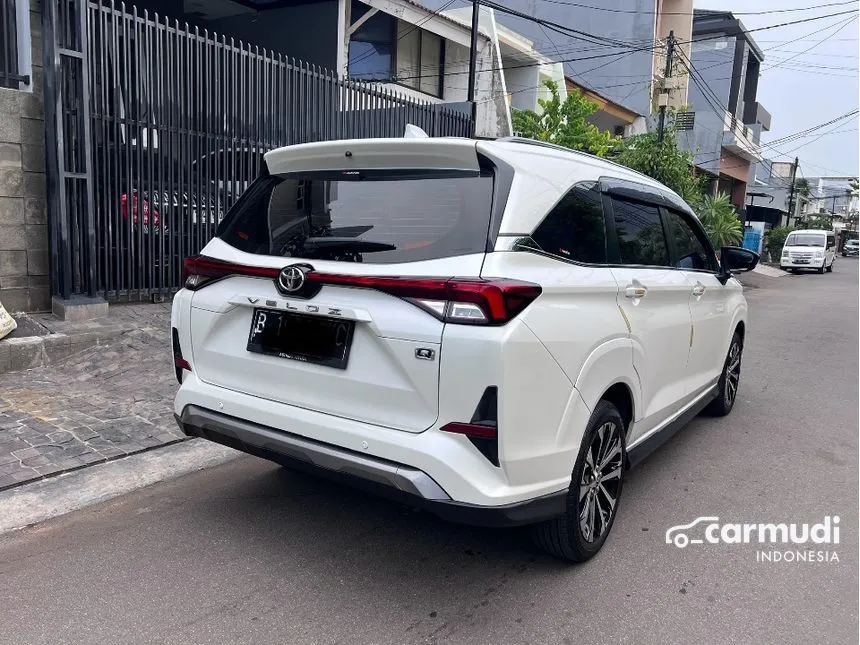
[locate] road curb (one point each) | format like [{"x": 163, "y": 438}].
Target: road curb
[{"x": 48, "y": 498}]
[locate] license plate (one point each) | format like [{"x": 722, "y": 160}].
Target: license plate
[{"x": 311, "y": 339}]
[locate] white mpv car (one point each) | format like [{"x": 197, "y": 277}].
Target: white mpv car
[
  {"x": 493, "y": 331},
  {"x": 809, "y": 249}
]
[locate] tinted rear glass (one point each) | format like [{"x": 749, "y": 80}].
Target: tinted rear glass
[{"x": 379, "y": 219}]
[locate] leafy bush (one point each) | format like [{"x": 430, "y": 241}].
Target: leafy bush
[
  {"x": 718, "y": 216},
  {"x": 564, "y": 123},
  {"x": 663, "y": 161},
  {"x": 774, "y": 240}
]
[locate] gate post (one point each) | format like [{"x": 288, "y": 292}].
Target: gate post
[{"x": 68, "y": 156}]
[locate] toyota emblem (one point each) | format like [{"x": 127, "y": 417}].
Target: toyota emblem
[{"x": 291, "y": 279}]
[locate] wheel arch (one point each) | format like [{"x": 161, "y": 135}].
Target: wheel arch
[
  {"x": 741, "y": 330},
  {"x": 608, "y": 373},
  {"x": 620, "y": 395}
]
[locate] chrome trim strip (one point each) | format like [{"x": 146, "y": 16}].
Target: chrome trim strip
[
  {"x": 340, "y": 460},
  {"x": 706, "y": 392}
]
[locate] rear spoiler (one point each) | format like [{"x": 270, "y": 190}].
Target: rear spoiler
[{"x": 376, "y": 154}]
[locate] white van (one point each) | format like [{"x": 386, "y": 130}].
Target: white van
[{"x": 809, "y": 249}]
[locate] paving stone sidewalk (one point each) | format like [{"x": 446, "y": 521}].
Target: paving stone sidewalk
[{"x": 101, "y": 402}]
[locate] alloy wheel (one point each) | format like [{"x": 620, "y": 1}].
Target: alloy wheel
[
  {"x": 733, "y": 373},
  {"x": 600, "y": 484}
]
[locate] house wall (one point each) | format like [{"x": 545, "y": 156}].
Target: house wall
[
  {"x": 675, "y": 17},
  {"x": 24, "y": 280},
  {"x": 522, "y": 84},
  {"x": 491, "y": 118},
  {"x": 714, "y": 60},
  {"x": 635, "y": 21},
  {"x": 305, "y": 31}
]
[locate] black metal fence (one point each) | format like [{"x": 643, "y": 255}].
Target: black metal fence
[{"x": 176, "y": 122}]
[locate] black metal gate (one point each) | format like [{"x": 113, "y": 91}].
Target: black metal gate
[{"x": 160, "y": 127}]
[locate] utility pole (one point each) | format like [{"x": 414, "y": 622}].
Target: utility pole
[
  {"x": 670, "y": 54},
  {"x": 473, "y": 53},
  {"x": 791, "y": 193}
]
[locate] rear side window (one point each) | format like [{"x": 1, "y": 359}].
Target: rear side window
[
  {"x": 640, "y": 233},
  {"x": 574, "y": 229},
  {"x": 691, "y": 249},
  {"x": 363, "y": 217}
]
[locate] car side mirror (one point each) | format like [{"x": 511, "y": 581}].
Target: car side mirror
[{"x": 736, "y": 259}]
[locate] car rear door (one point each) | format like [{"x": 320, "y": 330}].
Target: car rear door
[
  {"x": 655, "y": 300},
  {"x": 350, "y": 212}
]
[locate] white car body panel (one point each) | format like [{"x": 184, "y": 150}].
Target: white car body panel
[
  {"x": 660, "y": 331},
  {"x": 712, "y": 315}
]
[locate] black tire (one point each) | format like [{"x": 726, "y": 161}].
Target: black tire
[
  {"x": 821, "y": 269},
  {"x": 566, "y": 537},
  {"x": 830, "y": 268},
  {"x": 729, "y": 380}
]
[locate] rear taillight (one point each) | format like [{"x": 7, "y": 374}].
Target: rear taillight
[
  {"x": 179, "y": 363},
  {"x": 469, "y": 301},
  {"x": 199, "y": 271},
  {"x": 146, "y": 209}
]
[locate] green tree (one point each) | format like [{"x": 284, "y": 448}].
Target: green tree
[
  {"x": 564, "y": 123},
  {"x": 802, "y": 191},
  {"x": 663, "y": 161},
  {"x": 818, "y": 221},
  {"x": 718, "y": 216}
]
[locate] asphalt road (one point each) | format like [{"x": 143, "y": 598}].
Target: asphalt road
[{"x": 246, "y": 552}]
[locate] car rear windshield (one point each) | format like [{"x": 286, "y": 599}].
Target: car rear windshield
[
  {"x": 362, "y": 216},
  {"x": 805, "y": 240}
]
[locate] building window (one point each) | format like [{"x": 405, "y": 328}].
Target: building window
[
  {"x": 420, "y": 59},
  {"x": 8, "y": 45},
  {"x": 372, "y": 46},
  {"x": 387, "y": 49}
]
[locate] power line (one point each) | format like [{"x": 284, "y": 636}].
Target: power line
[
  {"x": 840, "y": 28},
  {"x": 719, "y": 109},
  {"x": 811, "y": 33},
  {"x": 687, "y": 13},
  {"x": 562, "y": 29},
  {"x": 777, "y": 26}
]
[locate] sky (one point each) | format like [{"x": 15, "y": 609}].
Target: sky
[{"x": 816, "y": 86}]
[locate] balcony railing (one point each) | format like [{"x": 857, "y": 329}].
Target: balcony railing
[{"x": 740, "y": 139}]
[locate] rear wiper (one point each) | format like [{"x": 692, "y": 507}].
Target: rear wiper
[{"x": 345, "y": 244}]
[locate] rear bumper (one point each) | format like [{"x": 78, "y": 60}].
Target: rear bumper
[{"x": 387, "y": 478}]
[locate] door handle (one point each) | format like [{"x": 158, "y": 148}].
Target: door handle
[
  {"x": 635, "y": 291},
  {"x": 699, "y": 290}
]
